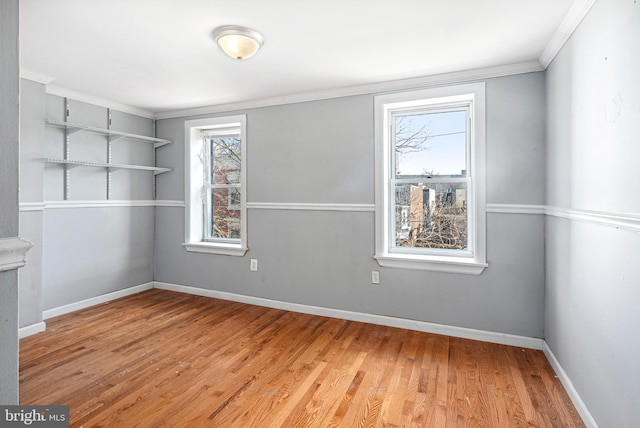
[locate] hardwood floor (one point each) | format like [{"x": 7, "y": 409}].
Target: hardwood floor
[{"x": 165, "y": 359}]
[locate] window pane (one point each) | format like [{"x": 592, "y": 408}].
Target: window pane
[
  {"x": 225, "y": 194},
  {"x": 234, "y": 198},
  {"x": 431, "y": 144},
  {"x": 226, "y": 217},
  {"x": 225, "y": 160},
  {"x": 431, "y": 215}
]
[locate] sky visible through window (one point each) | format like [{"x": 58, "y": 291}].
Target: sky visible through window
[{"x": 444, "y": 151}]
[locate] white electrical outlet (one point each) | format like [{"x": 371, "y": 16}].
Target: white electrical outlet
[
  {"x": 375, "y": 277},
  {"x": 254, "y": 265}
]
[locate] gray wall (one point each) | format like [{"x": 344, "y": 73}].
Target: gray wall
[
  {"x": 89, "y": 252},
  {"x": 323, "y": 152},
  {"x": 32, "y": 108},
  {"x": 593, "y": 274},
  {"x": 81, "y": 252},
  {"x": 9, "y": 148}
]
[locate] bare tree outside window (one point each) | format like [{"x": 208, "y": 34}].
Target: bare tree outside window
[{"x": 410, "y": 136}]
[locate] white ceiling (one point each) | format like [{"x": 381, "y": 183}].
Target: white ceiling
[{"x": 158, "y": 55}]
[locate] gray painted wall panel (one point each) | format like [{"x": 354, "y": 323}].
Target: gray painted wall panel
[
  {"x": 30, "y": 276},
  {"x": 88, "y": 252},
  {"x": 126, "y": 122},
  {"x": 593, "y": 298},
  {"x": 594, "y": 113},
  {"x": 32, "y": 137},
  {"x": 9, "y": 210},
  {"x": 170, "y": 185},
  {"x": 9, "y": 135},
  {"x": 8, "y": 335},
  {"x": 87, "y": 114},
  {"x": 592, "y": 315},
  {"x": 312, "y": 152},
  {"x": 516, "y": 139},
  {"x": 323, "y": 152},
  {"x": 325, "y": 259}
]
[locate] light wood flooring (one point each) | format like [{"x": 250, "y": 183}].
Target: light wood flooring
[{"x": 165, "y": 359}]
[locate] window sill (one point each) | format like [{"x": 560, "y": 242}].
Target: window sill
[
  {"x": 432, "y": 263},
  {"x": 213, "y": 248}
]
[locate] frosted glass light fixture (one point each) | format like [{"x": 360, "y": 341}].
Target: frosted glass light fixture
[{"x": 238, "y": 42}]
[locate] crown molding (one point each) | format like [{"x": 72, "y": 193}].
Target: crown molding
[
  {"x": 102, "y": 102},
  {"x": 574, "y": 17},
  {"x": 371, "y": 88}
]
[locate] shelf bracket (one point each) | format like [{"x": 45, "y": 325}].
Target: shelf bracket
[{"x": 160, "y": 144}]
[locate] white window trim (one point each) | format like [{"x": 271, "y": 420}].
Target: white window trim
[
  {"x": 194, "y": 173},
  {"x": 473, "y": 265}
]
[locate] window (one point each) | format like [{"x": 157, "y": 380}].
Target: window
[
  {"x": 215, "y": 185},
  {"x": 430, "y": 204},
  {"x": 222, "y": 157}
]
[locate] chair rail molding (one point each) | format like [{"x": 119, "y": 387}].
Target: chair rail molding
[{"x": 13, "y": 253}]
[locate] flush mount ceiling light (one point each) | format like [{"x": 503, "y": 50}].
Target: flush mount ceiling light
[{"x": 238, "y": 42}]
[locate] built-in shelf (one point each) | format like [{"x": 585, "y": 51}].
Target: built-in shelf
[
  {"x": 68, "y": 162},
  {"x": 112, "y": 166},
  {"x": 113, "y": 135}
]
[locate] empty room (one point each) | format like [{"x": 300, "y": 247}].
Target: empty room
[{"x": 357, "y": 213}]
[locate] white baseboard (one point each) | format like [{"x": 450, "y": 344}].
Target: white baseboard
[
  {"x": 61, "y": 310},
  {"x": 466, "y": 333},
  {"x": 32, "y": 329},
  {"x": 582, "y": 409}
]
